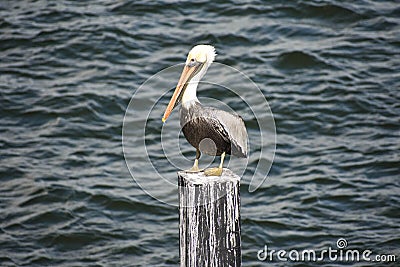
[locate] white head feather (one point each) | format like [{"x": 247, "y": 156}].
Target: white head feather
[{"x": 204, "y": 54}]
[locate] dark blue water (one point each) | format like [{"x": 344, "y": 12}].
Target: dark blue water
[{"x": 330, "y": 73}]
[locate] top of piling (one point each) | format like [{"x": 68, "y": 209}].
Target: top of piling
[{"x": 200, "y": 178}]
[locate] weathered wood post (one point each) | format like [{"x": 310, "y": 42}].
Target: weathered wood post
[{"x": 209, "y": 219}]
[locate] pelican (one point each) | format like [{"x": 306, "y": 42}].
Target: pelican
[{"x": 211, "y": 131}]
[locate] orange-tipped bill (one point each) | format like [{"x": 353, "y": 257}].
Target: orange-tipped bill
[{"x": 187, "y": 74}]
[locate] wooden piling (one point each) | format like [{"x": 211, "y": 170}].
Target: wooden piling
[{"x": 209, "y": 219}]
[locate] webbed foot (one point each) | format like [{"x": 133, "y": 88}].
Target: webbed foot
[
  {"x": 193, "y": 170},
  {"x": 195, "y": 167},
  {"x": 213, "y": 172}
]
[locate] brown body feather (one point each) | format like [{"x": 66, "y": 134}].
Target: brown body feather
[{"x": 226, "y": 130}]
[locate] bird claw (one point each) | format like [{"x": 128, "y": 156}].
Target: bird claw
[
  {"x": 193, "y": 170},
  {"x": 213, "y": 172}
]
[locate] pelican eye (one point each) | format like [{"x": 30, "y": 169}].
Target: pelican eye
[{"x": 192, "y": 62}]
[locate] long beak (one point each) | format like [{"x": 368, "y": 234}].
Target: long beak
[{"x": 187, "y": 74}]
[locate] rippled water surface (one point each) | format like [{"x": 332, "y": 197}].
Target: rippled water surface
[{"x": 68, "y": 69}]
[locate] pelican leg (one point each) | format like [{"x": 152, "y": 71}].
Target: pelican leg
[
  {"x": 216, "y": 171},
  {"x": 195, "y": 167}
]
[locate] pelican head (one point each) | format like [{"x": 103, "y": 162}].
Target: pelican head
[
  {"x": 198, "y": 60},
  {"x": 203, "y": 54}
]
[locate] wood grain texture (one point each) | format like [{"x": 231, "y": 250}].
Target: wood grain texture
[{"x": 209, "y": 219}]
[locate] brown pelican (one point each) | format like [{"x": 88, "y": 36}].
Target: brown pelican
[{"x": 209, "y": 130}]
